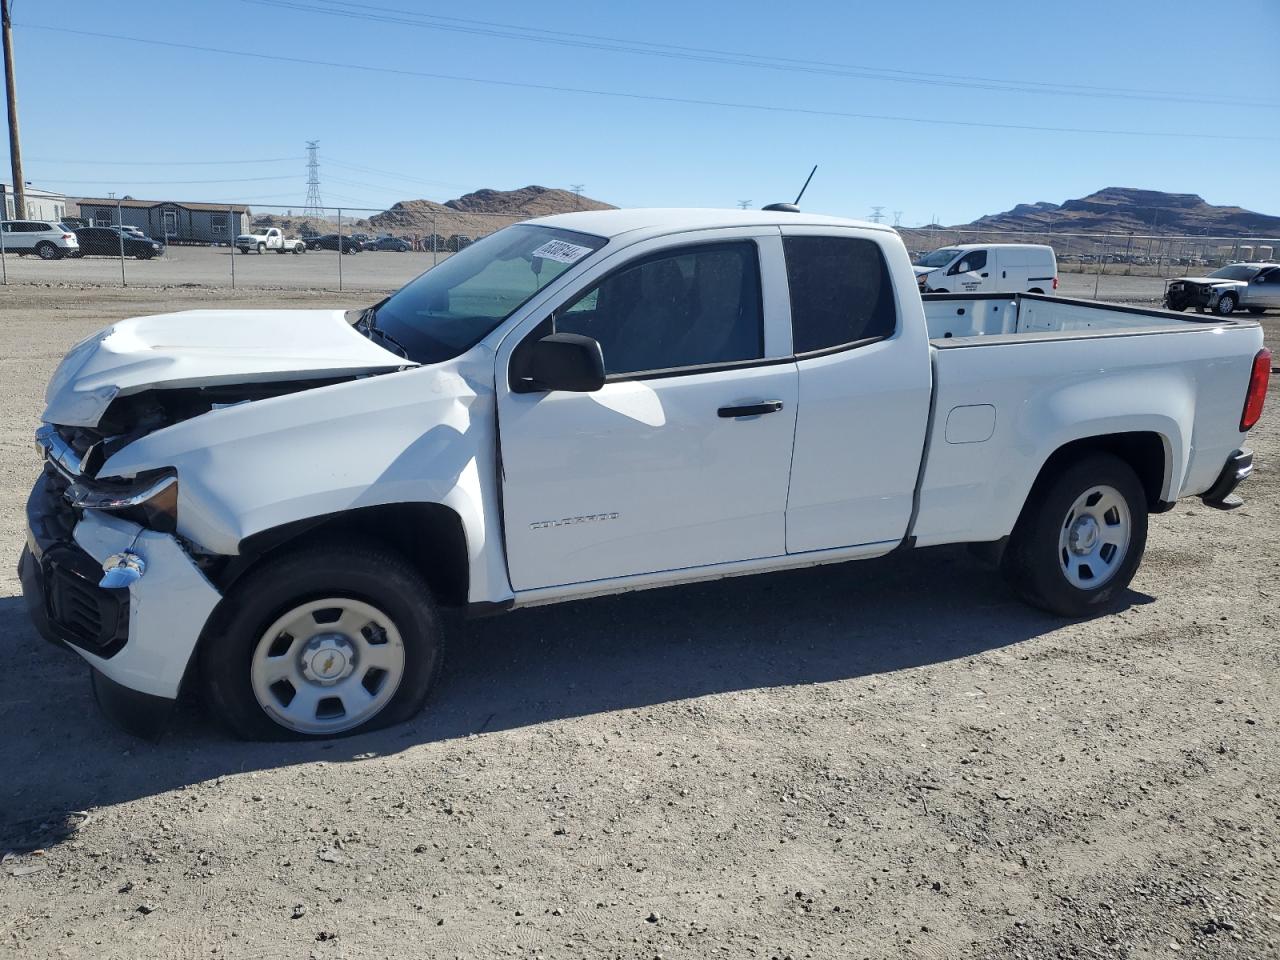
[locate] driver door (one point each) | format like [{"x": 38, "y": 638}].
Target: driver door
[
  {"x": 970, "y": 274},
  {"x": 682, "y": 458}
]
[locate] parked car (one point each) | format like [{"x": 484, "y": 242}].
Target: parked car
[
  {"x": 1250, "y": 286},
  {"x": 109, "y": 241},
  {"x": 459, "y": 241},
  {"x": 331, "y": 241},
  {"x": 49, "y": 240},
  {"x": 988, "y": 268},
  {"x": 391, "y": 243},
  {"x": 270, "y": 238},
  {"x": 626, "y": 415}
]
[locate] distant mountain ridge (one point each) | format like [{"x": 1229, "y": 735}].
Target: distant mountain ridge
[
  {"x": 480, "y": 212},
  {"x": 1125, "y": 209}
]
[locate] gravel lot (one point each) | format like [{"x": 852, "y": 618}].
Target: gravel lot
[{"x": 882, "y": 759}]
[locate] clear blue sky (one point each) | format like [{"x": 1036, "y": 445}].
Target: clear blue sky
[{"x": 86, "y": 98}]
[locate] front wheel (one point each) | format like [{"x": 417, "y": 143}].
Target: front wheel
[
  {"x": 262, "y": 248},
  {"x": 48, "y": 251},
  {"x": 324, "y": 642},
  {"x": 1226, "y": 305},
  {"x": 1080, "y": 537}
]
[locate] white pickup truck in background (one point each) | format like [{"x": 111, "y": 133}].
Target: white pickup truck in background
[
  {"x": 273, "y": 504},
  {"x": 270, "y": 238}
]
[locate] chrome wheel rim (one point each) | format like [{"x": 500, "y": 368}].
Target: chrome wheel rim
[
  {"x": 1094, "y": 537},
  {"x": 327, "y": 666},
  {"x": 1226, "y": 305}
]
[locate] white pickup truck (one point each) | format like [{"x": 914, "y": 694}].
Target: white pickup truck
[
  {"x": 270, "y": 238},
  {"x": 273, "y": 504}
]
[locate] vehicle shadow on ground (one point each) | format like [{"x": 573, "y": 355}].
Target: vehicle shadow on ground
[{"x": 801, "y": 627}]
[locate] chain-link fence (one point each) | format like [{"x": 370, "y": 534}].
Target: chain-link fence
[
  {"x": 138, "y": 243},
  {"x": 123, "y": 241}
]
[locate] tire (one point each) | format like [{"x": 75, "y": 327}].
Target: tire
[
  {"x": 262, "y": 248},
  {"x": 48, "y": 251},
  {"x": 365, "y": 582},
  {"x": 1226, "y": 305},
  {"x": 142, "y": 256},
  {"x": 1257, "y": 311},
  {"x": 244, "y": 250},
  {"x": 1176, "y": 304},
  {"x": 1066, "y": 515},
  {"x": 299, "y": 248}
]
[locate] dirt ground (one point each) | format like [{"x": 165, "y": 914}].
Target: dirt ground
[{"x": 890, "y": 758}]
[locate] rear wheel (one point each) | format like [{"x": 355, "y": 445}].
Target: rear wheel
[
  {"x": 1257, "y": 310},
  {"x": 1226, "y": 305},
  {"x": 1080, "y": 537},
  {"x": 326, "y": 642},
  {"x": 48, "y": 251}
]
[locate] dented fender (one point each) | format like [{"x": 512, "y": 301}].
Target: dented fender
[{"x": 422, "y": 435}]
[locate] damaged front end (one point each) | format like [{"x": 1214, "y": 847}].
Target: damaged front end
[{"x": 108, "y": 568}]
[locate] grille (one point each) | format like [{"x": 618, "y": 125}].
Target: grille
[{"x": 89, "y": 616}]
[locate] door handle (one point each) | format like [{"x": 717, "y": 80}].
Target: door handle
[
  {"x": 986, "y": 274},
  {"x": 750, "y": 409}
]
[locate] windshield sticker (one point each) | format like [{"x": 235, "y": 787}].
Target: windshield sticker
[{"x": 561, "y": 252}]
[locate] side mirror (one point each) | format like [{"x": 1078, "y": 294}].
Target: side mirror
[{"x": 566, "y": 361}]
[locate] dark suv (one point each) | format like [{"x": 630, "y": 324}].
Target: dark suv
[{"x": 105, "y": 242}]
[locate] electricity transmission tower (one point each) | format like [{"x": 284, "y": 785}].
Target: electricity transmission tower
[
  {"x": 897, "y": 218},
  {"x": 314, "y": 204},
  {"x": 744, "y": 204},
  {"x": 877, "y": 215},
  {"x": 577, "y": 193}
]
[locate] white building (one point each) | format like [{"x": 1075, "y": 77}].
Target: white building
[{"x": 41, "y": 204}]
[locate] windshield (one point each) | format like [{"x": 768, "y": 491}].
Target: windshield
[
  {"x": 452, "y": 307},
  {"x": 939, "y": 258},
  {"x": 1237, "y": 271}
]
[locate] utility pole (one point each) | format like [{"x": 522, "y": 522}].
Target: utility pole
[{"x": 11, "y": 101}]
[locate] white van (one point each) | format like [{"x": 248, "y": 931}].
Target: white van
[{"x": 988, "y": 268}]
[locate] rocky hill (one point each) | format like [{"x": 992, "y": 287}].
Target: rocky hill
[
  {"x": 481, "y": 212},
  {"x": 1125, "y": 209}
]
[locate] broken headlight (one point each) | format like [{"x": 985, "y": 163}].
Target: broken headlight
[{"x": 150, "y": 499}]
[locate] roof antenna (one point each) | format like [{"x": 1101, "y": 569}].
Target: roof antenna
[{"x": 793, "y": 207}]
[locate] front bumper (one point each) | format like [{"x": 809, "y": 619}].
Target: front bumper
[{"x": 138, "y": 640}]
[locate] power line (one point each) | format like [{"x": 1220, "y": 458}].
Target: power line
[
  {"x": 488, "y": 28},
  {"x": 655, "y": 98},
  {"x": 155, "y": 183},
  {"x": 159, "y": 163}
]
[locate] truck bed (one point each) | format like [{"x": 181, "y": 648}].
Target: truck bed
[
  {"x": 966, "y": 316},
  {"x": 1017, "y": 376}
]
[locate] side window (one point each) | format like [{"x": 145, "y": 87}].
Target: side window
[
  {"x": 688, "y": 308},
  {"x": 971, "y": 261},
  {"x": 840, "y": 292}
]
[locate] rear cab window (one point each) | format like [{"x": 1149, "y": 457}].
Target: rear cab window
[{"x": 841, "y": 293}]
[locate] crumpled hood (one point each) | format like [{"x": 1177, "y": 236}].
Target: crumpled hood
[
  {"x": 200, "y": 348},
  {"x": 919, "y": 270},
  {"x": 1211, "y": 281}
]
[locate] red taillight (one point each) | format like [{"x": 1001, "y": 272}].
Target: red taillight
[
  {"x": 1257, "y": 393},
  {"x": 1055, "y": 283},
  {"x": 68, "y": 236}
]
